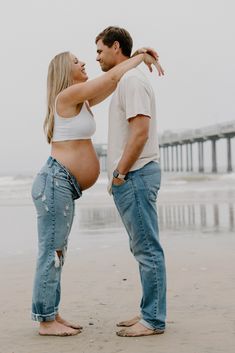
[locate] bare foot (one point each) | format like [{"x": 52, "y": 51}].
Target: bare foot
[
  {"x": 138, "y": 330},
  {"x": 54, "y": 328},
  {"x": 128, "y": 323},
  {"x": 67, "y": 323}
]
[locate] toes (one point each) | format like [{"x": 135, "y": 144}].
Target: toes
[
  {"x": 75, "y": 333},
  {"x": 121, "y": 324},
  {"x": 59, "y": 333},
  {"x": 76, "y": 327},
  {"x": 128, "y": 323},
  {"x": 124, "y": 333},
  {"x": 137, "y": 333},
  {"x": 121, "y": 333},
  {"x": 70, "y": 324},
  {"x": 124, "y": 324}
]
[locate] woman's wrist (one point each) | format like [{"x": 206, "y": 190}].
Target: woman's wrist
[
  {"x": 137, "y": 52},
  {"x": 141, "y": 56}
]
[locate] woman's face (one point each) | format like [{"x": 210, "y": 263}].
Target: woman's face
[{"x": 78, "y": 70}]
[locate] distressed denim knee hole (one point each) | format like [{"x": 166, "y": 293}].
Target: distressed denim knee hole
[{"x": 59, "y": 257}]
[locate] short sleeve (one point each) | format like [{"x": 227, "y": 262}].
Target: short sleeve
[{"x": 135, "y": 97}]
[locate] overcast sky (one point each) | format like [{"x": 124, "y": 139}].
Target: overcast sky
[{"x": 195, "y": 41}]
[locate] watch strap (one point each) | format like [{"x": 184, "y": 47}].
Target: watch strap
[{"x": 118, "y": 175}]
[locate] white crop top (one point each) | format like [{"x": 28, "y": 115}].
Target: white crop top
[{"x": 79, "y": 127}]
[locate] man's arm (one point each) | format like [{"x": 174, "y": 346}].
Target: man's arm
[{"x": 138, "y": 136}]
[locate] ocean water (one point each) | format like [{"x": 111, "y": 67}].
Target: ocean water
[{"x": 187, "y": 203}]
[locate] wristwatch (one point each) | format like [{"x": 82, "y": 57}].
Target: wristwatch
[{"x": 116, "y": 174}]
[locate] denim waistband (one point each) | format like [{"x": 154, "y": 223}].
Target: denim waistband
[
  {"x": 73, "y": 181},
  {"x": 147, "y": 168}
]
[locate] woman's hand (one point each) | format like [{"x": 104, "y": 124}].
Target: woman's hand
[
  {"x": 149, "y": 60},
  {"x": 159, "y": 68},
  {"x": 147, "y": 50}
]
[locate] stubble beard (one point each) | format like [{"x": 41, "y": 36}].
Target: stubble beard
[{"x": 106, "y": 68}]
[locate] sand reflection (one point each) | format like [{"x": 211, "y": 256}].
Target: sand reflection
[{"x": 218, "y": 217}]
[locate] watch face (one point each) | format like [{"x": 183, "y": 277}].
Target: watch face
[{"x": 115, "y": 174}]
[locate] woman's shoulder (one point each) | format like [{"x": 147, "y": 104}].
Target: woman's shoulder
[{"x": 65, "y": 110}]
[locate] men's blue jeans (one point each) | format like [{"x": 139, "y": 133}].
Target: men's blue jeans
[
  {"x": 136, "y": 203},
  {"x": 53, "y": 191}
]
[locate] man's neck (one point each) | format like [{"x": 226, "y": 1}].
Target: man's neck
[{"x": 120, "y": 59}]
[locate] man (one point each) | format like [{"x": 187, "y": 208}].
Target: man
[{"x": 134, "y": 177}]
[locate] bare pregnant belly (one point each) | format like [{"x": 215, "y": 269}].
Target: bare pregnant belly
[{"x": 80, "y": 158}]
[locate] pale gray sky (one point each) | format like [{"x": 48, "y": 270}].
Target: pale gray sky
[{"x": 195, "y": 40}]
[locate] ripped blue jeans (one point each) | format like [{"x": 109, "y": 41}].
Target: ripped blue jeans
[
  {"x": 53, "y": 191},
  {"x": 136, "y": 203}
]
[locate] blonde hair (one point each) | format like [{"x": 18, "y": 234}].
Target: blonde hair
[{"x": 58, "y": 78}]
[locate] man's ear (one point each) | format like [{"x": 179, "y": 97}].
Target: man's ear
[{"x": 116, "y": 45}]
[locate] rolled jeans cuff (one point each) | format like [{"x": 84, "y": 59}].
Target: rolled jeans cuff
[
  {"x": 43, "y": 318},
  {"x": 147, "y": 325}
]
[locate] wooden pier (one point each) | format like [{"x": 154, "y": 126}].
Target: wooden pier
[{"x": 173, "y": 145}]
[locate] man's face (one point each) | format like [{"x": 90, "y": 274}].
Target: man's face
[{"x": 106, "y": 56}]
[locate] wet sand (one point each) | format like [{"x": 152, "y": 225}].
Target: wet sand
[{"x": 100, "y": 286}]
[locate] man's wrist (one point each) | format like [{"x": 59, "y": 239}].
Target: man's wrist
[{"x": 118, "y": 175}]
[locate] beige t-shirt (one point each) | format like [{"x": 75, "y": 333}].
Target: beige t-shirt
[{"x": 134, "y": 95}]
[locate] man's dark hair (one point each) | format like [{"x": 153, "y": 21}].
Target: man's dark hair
[{"x": 112, "y": 34}]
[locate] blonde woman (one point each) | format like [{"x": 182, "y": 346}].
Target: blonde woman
[{"x": 72, "y": 167}]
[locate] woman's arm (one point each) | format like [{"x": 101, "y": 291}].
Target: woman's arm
[
  {"x": 101, "y": 86},
  {"x": 100, "y": 96},
  {"x": 149, "y": 59}
]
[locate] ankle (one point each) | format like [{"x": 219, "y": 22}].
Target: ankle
[{"x": 47, "y": 323}]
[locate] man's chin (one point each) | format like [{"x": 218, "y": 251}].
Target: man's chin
[{"x": 104, "y": 68}]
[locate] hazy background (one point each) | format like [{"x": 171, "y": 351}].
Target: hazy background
[{"x": 195, "y": 40}]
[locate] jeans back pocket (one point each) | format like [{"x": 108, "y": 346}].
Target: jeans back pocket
[
  {"x": 152, "y": 184},
  {"x": 39, "y": 185}
]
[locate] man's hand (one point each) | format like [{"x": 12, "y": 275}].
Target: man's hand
[{"x": 117, "y": 181}]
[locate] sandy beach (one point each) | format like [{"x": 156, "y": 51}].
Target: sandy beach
[{"x": 100, "y": 284}]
